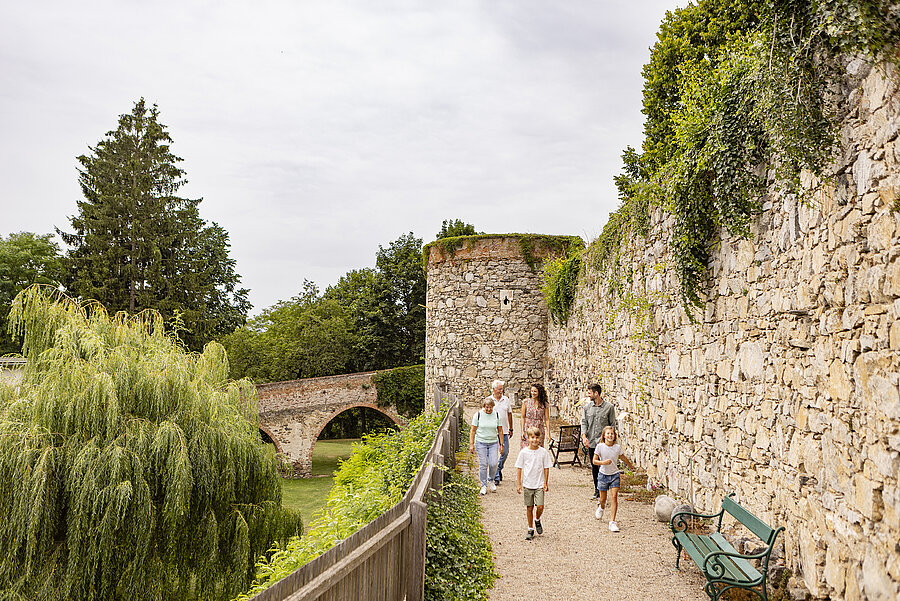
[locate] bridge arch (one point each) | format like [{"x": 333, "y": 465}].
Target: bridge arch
[
  {"x": 293, "y": 413},
  {"x": 397, "y": 419},
  {"x": 269, "y": 437}
]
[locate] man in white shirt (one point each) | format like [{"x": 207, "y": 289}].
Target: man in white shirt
[{"x": 504, "y": 412}]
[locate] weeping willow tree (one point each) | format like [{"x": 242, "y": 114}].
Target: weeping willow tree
[{"x": 129, "y": 469}]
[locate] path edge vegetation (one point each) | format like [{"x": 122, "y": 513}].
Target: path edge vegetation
[
  {"x": 741, "y": 97},
  {"x": 374, "y": 478}
]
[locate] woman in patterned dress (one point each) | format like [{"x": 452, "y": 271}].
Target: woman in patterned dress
[{"x": 535, "y": 412}]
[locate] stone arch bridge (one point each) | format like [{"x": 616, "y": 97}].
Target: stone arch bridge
[{"x": 293, "y": 413}]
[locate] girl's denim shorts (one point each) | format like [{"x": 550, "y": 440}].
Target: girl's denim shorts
[{"x": 605, "y": 482}]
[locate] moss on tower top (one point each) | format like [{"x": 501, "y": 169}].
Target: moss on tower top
[{"x": 530, "y": 245}]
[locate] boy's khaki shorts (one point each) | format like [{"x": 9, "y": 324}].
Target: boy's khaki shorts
[{"x": 533, "y": 496}]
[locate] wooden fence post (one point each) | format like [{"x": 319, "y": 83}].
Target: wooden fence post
[
  {"x": 454, "y": 437},
  {"x": 437, "y": 476},
  {"x": 445, "y": 447},
  {"x": 415, "y": 576}
]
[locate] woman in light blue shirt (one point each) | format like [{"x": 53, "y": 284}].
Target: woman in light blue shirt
[{"x": 486, "y": 437}]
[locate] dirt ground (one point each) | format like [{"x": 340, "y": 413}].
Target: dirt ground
[{"x": 577, "y": 557}]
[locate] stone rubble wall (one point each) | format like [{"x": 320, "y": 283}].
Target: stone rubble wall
[
  {"x": 294, "y": 413},
  {"x": 786, "y": 390},
  {"x": 486, "y": 319}
]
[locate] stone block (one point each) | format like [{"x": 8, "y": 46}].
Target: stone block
[
  {"x": 835, "y": 570},
  {"x": 867, "y": 497},
  {"x": 838, "y": 381},
  {"x": 751, "y": 360},
  {"x": 663, "y": 507},
  {"x": 877, "y": 584},
  {"x": 881, "y": 231}
]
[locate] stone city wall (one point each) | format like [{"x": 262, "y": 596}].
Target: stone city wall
[
  {"x": 294, "y": 413},
  {"x": 486, "y": 318},
  {"x": 786, "y": 390}
]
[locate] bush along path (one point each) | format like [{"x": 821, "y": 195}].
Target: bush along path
[{"x": 577, "y": 557}]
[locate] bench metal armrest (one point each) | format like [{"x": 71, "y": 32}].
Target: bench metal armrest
[
  {"x": 678, "y": 523},
  {"x": 712, "y": 565}
]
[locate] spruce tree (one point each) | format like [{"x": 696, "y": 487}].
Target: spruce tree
[
  {"x": 129, "y": 469},
  {"x": 135, "y": 244}
]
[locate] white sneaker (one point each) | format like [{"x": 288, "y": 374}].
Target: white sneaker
[
  {"x": 492, "y": 486},
  {"x": 613, "y": 527},
  {"x": 599, "y": 512},
  {"x": 483, "y": 490}
]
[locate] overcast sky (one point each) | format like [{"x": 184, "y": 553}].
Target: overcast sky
[{"x": 315, "y": 131}]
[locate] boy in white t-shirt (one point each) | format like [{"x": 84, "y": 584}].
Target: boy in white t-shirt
[{"x": 530, "y": 464}]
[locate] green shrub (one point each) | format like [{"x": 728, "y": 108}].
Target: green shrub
[
  {"x": 402, "y": 387},
  {"x": 373, "y": 479},
  {"x": 458, "y": 557}
]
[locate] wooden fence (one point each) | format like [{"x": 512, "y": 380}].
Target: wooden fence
[{"x": 385, "y": 559}]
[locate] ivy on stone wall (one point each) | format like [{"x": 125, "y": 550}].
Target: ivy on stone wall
[
  {"x": 402, "y": 387},
  {"x": 738, "y": 94},
  {"x": 561, "y": 282}
]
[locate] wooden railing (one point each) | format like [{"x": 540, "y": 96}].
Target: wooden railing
[{"x": 385, "y": 559}]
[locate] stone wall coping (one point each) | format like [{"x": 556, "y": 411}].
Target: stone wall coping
[
  {"x": 362, "y": 375},
  {"x": 496, "y": 246}
]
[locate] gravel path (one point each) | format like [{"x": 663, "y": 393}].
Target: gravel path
[{"x": 577, "y": 557}]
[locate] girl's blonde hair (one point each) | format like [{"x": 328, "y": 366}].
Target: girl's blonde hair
[
  {"x": 532, "y": 431},
  {"x": 603, "y": 435}
]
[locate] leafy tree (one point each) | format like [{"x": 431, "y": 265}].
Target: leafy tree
[
  {"x": 136, "y": 245},
  {"x": 305, "y": 337},
  {"x": 696, "y": 34},
  {"x": 25, "y": 259},
  {"x": 370, "y": 319},
  {"x": 388, "y": 306},
  {"x": 450, "y": 228},
  {"x": 401, "y": 323},
  {"x": 128, "y": 468}
]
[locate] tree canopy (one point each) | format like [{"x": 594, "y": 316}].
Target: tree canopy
[
  {"x": 370, "y": 319},
  {"x": 136, "y": 245},
  {"x": 129, "y": 469},
  {"x": 25, "y": 259}
]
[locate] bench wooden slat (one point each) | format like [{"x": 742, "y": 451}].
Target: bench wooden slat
[
  {"x": 750, "y": 574},
  {"x": 699, "y": 547},
  {"x": 753, "y": 523}
]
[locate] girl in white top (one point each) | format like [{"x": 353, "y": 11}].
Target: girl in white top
[{"x": 607, "y": 455}]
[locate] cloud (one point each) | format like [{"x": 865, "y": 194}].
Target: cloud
[{"x": 316, "y": 131}]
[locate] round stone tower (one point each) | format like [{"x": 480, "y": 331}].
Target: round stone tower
[{"x": 486, "y": 316}]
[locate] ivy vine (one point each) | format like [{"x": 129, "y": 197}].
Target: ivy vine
[
  {"x": 736, "y": 93},
  {"x": 560, "y": 283}
]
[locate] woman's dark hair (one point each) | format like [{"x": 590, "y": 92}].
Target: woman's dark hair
[{"x": 542, "y": 395}]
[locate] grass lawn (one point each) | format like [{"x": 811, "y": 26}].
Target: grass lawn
[{"x": 309, "y": 494}]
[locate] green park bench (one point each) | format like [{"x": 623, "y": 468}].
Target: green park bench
[{"x": 722, "y": 565}]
